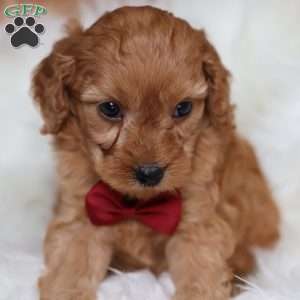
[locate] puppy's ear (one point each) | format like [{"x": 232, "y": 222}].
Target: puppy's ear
[
  {"x": 218, "y": 105},
  {"x": 49, "y": 90},
  {"x": 51, "y": 79}
]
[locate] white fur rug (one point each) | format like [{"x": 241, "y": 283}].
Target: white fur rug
[{"x": 259, "y": 41}]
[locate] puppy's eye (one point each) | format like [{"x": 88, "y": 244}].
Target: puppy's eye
[
  {"x": 110, "y": 109},
  {"x": 183, "y": 108}
]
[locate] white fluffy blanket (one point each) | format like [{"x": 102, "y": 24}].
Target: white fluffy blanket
[{"x": 259, "y": 41}]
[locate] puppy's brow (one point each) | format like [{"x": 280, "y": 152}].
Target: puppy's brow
[{"x": 91, "y": 93}]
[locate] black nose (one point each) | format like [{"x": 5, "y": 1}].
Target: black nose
[{"x": 149, "y": 175}]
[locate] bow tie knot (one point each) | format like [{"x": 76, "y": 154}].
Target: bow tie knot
[
  {"x": 105, "y": 206},
  {"x": 129, "y": 212}
]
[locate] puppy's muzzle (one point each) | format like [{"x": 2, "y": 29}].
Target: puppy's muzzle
[{"x": 149, "y": 175}]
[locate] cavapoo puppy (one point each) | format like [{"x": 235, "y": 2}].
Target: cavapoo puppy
[{"x": 152, "y": 173}]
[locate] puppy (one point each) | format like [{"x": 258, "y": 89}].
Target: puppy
[{"x": 139, "y": 108}]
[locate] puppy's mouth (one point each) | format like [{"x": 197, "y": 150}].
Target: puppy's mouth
[
  {"x": 140, "y": 183},
  {"x": 129, "y": 201}
]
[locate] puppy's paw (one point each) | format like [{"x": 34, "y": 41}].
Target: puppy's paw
[
  {"x": 190, "y": 294},
  {"x": 53, "y": 288},
  {"x": 196, "y": 293}
]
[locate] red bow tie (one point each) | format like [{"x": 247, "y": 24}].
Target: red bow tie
[{"x": 105, "y": 206}]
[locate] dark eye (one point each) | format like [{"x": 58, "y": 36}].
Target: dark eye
[
  {"x": 182, "y": 109},
  {"x": 110, "y": 109}
]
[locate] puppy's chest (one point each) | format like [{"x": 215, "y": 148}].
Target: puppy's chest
[{"x": 137, "y": 246}]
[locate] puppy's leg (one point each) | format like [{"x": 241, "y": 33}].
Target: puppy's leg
[
  {"x": 249, "y": 206},
  {"x": 197, "y": 258},
  {"x": 77, "y": 257}
]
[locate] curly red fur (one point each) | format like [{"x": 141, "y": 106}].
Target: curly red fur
[{"x": 148, "y": 61}]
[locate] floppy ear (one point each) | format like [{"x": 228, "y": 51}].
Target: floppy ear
[
  {"x": 52, "y": 77},
  {"x": 49, "y": 90},
  {"x": 219, "y": 109}
]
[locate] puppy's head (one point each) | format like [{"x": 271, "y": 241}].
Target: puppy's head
[{"x": 141, "y": 87}]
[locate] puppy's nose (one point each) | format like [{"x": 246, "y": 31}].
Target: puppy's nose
[{"x": 149, "y": 175}]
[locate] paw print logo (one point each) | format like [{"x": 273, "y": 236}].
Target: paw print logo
[{"x": 24, "y": 33}]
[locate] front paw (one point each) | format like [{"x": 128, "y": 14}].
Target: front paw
[
  {"x": 55, "y": 288},
  {"x": 190, "y": 293},
  {"x": 197, "y": 293}
]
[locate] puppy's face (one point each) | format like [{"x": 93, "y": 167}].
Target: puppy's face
[
  {"x": 141, "y": 121},
  {"x": 137, "y": 88}
]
